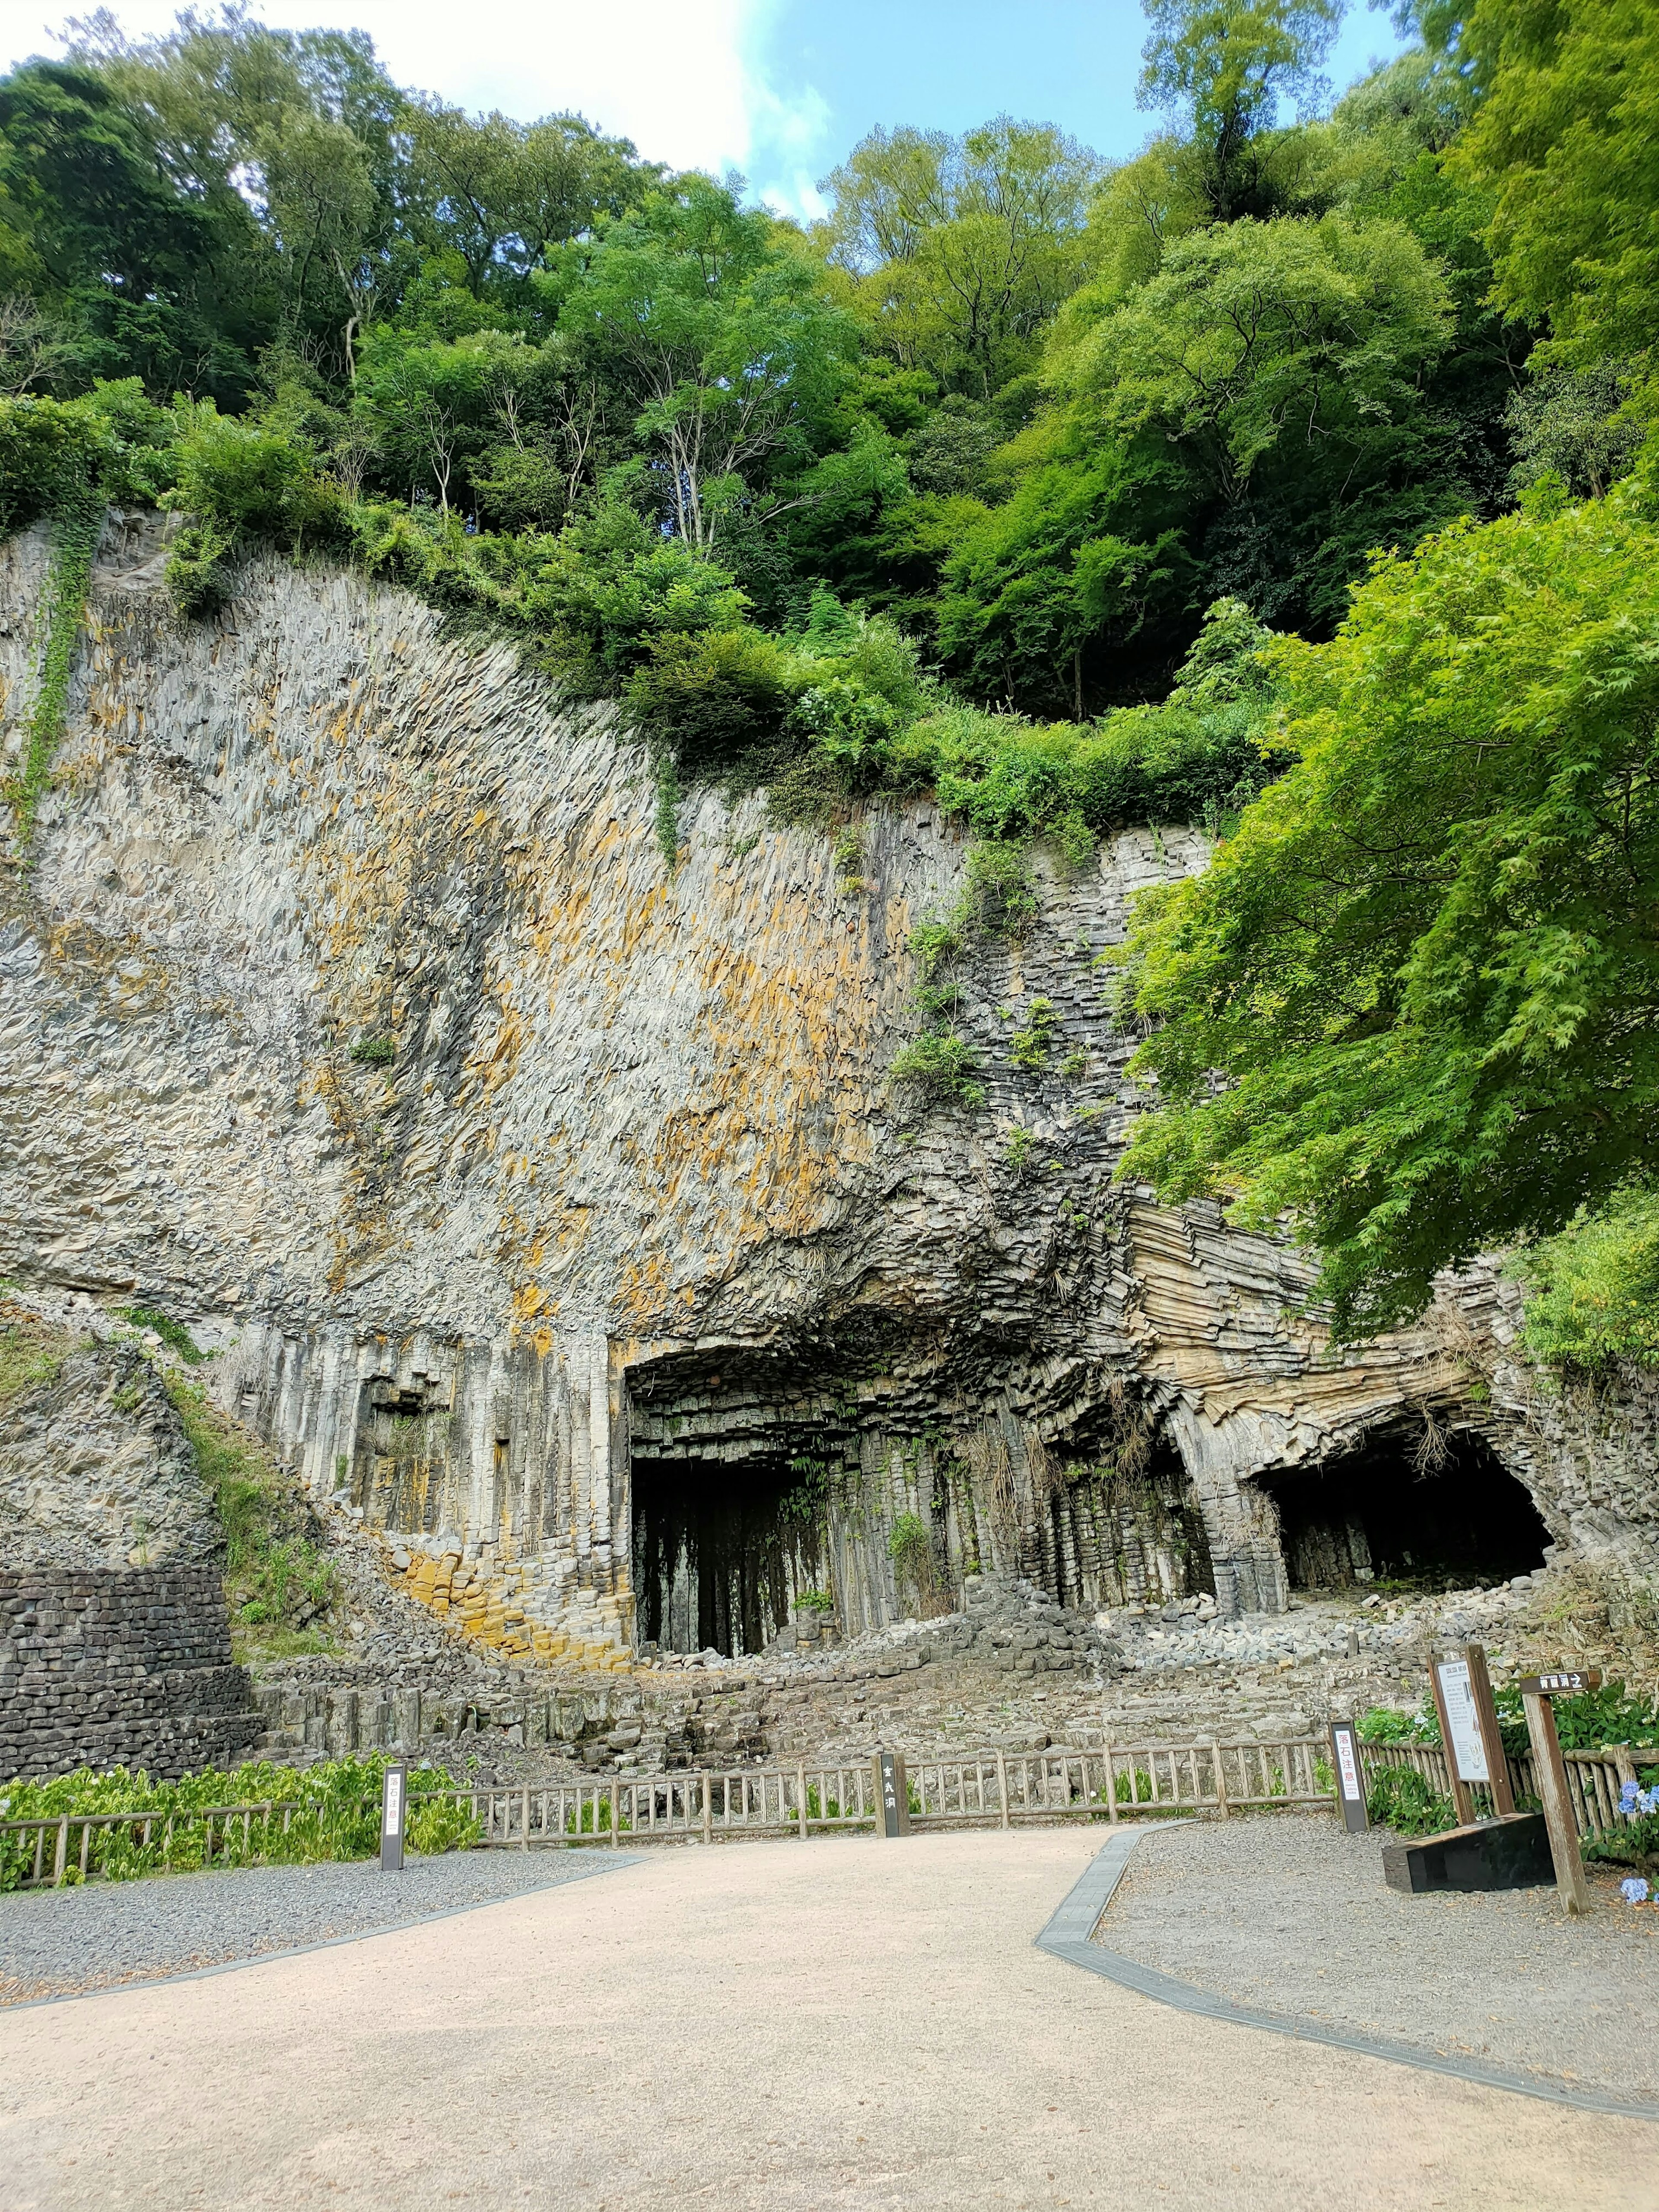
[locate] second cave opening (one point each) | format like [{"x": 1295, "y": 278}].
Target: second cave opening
[{"x": 1375, "y": 1515}]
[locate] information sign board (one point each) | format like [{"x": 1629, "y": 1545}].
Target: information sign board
[
  {"x": 1462, "y": 1721},
  {"x": 1350, "y": 1777},
  {"x": 1562, "y": 1684},
  {"x": 394, "y": 1802}
]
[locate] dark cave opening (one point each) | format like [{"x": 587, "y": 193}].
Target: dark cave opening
[
  {"x": 722, "y": 1548},
  {"x": 1374, "y": 1514}
]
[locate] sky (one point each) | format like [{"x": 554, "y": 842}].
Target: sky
[{"x": 779, "y": 90}]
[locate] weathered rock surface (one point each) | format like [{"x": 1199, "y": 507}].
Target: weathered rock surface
[
  {"x": 96, "y": 1472},
  {"x": 630, "y": 1221},
  {"x": 114, "y": 1644}
]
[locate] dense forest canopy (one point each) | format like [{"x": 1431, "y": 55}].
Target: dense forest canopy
[{"x": 1292, "y": 478}]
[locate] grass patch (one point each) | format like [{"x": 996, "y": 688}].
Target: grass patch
[
  {"x": 278, "y": 1580},
  {"x": 173, "y": 1333},
  {"x": 31, "y": 1353}
]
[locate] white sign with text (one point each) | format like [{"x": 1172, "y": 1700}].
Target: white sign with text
[{"x": 1468, "y": 1751}]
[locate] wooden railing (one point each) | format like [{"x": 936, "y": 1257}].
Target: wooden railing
[{"x": 1001, "y": 1789}]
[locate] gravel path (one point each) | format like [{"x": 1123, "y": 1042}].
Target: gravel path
[
  {"x": 1290, "y": 1914},
  {"x": 65, "y": 1943}
]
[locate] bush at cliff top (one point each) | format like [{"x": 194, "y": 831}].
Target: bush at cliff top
[
  {"x": 1427, "y": 965},
  {"x": 1592, "y": 1297},
  {"x": 336, "y": 1816}
]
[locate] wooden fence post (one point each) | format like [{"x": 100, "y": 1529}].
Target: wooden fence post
[
  {"x": 1549, "y": 1770},
  {"x": 800, "y": 1797},
  {"x": 1002, "y": 1786},
  {"x": 1220, "y": 1778}
]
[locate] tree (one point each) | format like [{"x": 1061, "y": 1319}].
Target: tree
[
  {"x": 501, "y": 194},
  {"x": 962, "y": 249},
  {"x": 720, "y": 342},
  {"x": 1567, "y": 133},
  {"x": 1221, "y": 67},
  {"x": 1311, "y": 333},
  {"x": 141, "y": 275},
  {"x": 432, "y": 406},
  {"x": 1427, "y": 965}
]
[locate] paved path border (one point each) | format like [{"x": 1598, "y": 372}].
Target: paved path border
[
  {"x": 322, "y": 1943},
  {"x": 1067, "y": 1934}
]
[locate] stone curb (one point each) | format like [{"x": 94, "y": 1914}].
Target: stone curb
[
  {"x": 607, "y": 1865},
  {"x": 1067, "y": 1934}
]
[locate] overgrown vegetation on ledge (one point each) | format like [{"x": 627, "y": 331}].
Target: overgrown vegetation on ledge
[{"x": 279, "y": 1580}]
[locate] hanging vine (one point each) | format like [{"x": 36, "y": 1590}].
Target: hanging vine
[{"x": 77, "y": 525}]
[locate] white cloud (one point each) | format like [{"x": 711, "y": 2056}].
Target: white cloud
[{"x": 682, "y": 78}]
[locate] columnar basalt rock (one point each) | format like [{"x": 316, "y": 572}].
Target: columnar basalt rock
[{"x": 539, "y": 1200}]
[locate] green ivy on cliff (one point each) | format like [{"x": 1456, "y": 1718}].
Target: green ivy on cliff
[{"x": 77, "y": 523}]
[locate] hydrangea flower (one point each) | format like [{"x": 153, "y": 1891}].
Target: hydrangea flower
[
  {"x": 1633, "y": 1800},
  {"x": 1634, "y": 1890}
]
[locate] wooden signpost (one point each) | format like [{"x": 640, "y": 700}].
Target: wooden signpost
[
  {"x": 1469, "y": 1731},
  {"x": 1549, "y": 1767},
  {"x": 893, "y": 1793},
  {"x": 1506, "y": 1851}
]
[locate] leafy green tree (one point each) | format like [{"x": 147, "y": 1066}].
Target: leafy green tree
[
  {"x": 133, "y": 267},
  {"x": 1566, "y": 134},
  {"x": 1262, "y": 334},
  {"x": 718, "y": 344},
  {"x": 1427, "y": 964},
  {"x": 961, "y": 249},
  {"x": 1222, "y": 67},
  {"x": 503, "y": 195}
]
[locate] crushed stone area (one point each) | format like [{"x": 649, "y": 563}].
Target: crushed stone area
[
  {"x": 1289, "y": 1914},
  {"x": 67, "y": 1943}
]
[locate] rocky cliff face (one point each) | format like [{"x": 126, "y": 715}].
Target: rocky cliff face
[{"x": 554, "y": 1205}]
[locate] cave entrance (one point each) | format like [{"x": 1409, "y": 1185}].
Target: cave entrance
[
  {"x": 1375, "y": 1514},
  {"x": 722, "y": 1548}
]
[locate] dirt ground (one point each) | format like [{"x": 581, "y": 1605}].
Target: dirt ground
[{"x": 846, "y": 2023}]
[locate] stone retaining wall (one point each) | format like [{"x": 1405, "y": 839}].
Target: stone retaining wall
[{"x": 98, "y": 1667}]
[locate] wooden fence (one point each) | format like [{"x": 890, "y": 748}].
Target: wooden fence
[
  {"x": 1593, "y": 1779},
  {"x": 1000, "y": 1789}
]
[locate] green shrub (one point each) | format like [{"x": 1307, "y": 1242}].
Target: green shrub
[
  {"x": 1401, "y": 1799},
  {"x": 173, "y": 1333},
  {"x": 911, "y": 1547},
  {"x": 1030, "y": 1046},
  {"x": 338, "y": 1816},
  {"x": 1593, "y": 1296},
  {"x": 711, "y": 698},
  {"x": 275, "y": 1575},
  {"x": 999, "y": 896},
  {"x": 374, "y": 1051},
  {"x": 940, "y": 1070},
  {"x": 198, "y": 573},
  {"x": 251, "y": 475}
]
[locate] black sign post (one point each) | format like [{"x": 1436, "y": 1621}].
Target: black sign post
[
  {"x": 1350, "y": 1777},
  {"x": 394, "y": 1810},
  {"x": 893, "y": 1791}
]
